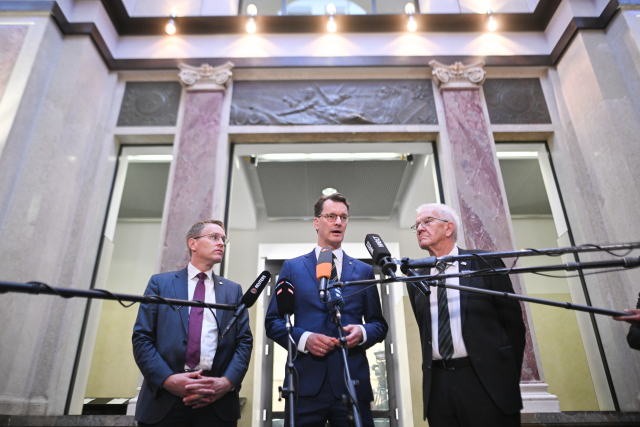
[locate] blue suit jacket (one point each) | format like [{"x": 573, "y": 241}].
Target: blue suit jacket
[
  {"x": 313, "y": 316},
  {"x": 160, "y": 343}
]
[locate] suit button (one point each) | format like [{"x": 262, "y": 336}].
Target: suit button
[{"x": 184, "y": 342}]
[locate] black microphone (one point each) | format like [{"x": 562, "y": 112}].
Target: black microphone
[
  {"x": 285, "y": 297},
  {"x": 335, "y": 303},
  {"x": 248, "y": 299},
  {"x": 323, "y": 271},
  {"x": 380, "y": 254}
]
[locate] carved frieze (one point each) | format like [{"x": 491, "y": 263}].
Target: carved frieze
[
  {"x": 458, "y": 75},
  {"x": 150, "y": 104},
  {"x": 333, "y": 102},
  {"x": 516, "y": 101}
]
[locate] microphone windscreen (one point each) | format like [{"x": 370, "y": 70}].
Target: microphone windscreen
[
  {"x": 285, "y": 297},
  {"x": 325, "y": 259},
  {"x": 251, "y": 296},
  {"x": 376, "y": 248},
  {"x": 335, "y": 298}
]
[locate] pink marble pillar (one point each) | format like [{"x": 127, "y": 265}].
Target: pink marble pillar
[
  {"x": 11, "y": 38},
  {"x": 480, "y": 196},
  {"x": 195, "y": 189}
]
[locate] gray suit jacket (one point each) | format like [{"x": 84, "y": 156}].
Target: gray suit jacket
[{"x": 160, "y": 342}]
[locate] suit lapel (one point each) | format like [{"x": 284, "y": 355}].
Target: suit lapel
[
  {"x": 310, "y": 261},
  {"x": 347, "y": 267},
  {"x": 181, "y": 288},
  {"x": 221, "y": 298},
  {"x": 464, "y": 281}
]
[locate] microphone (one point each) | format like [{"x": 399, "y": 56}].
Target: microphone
[
  {"x": 335, "y": 303},
  {"x": 323, "y": 271},
  {"x": 285, "y": 297},
  {"x": 248, "y": 299},
  {"x": 380, "y": 254}
]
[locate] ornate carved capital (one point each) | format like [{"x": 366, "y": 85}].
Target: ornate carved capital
[
  {"x": 458, "y": 75},
  {"x": 205, "y": 77}
]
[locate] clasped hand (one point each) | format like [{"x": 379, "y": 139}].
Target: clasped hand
[
  {"x": 195, "y": 390},
  {"x": 320, "y": 345}
]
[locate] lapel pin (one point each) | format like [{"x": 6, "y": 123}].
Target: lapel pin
[
  {"x": 220, "y": 282},
  {"x": 350, "y": 263}
]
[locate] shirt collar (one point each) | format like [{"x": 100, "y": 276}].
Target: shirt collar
[
  {"x": 339, "y": 253},
  {"x": 192, "y": 272}
]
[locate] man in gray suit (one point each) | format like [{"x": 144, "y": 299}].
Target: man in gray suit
[
  {"x": 191, "y": 376},
  {"x": 472, "y": 344}
]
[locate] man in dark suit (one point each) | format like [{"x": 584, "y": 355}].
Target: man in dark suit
[
  {"x": 319, "y": 362},
  {"x": 472, "y": 344},
  {"x": 191, "y": 376}
]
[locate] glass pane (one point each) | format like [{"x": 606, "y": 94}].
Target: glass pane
[
  {"x": 376, "y": 356},
  {"x": 562, "y": 351}
]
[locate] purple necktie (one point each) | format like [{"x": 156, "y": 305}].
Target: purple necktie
[{"x": 195, "y": 326}]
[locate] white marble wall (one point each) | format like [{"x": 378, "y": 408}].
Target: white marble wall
[
  {"x": 56, "y": 171},
  {"x": 598, "y": 165}
]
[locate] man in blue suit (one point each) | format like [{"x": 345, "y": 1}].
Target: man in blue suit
[
  {"x": 319, "y": 363},
  {"x": 191, "y": 376}
]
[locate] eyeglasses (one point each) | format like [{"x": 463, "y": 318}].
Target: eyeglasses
[
  {"x": 425, "y": 223},
  {"x": 331, "y": 217},
  {"x": 214, "y": 238}
]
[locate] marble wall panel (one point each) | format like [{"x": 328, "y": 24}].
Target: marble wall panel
[
  {"x": 333, "y": 102},
  {"x": 516, "y": 101},
  {"x": 11, "y": 39},
  {"x": 150, "y": 104},
  {"x": 56, "y": 172}
]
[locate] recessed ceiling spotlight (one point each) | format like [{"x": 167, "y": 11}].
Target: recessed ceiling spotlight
[
  {"x": 170, "y": 28},
  {"x": 493, "y": 25},
  {"x": 252, "y": 11},
  {"x": 410, "y": 9},
  {"x": 331, "y": 25},
  {"x": 329, "y": 191}
]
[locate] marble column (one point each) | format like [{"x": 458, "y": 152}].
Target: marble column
[
  {"x": 481, "y": 198},
  {"x": 195, "y": 192}
]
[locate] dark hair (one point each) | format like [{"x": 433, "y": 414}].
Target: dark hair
[
  {"x": 335, "y": 197},
  {"x": 196, "y": 228}
]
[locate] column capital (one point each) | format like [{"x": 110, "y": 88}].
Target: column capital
[
  {"x": 205, "y": 77},
  {"x": 458, "y": 75}
]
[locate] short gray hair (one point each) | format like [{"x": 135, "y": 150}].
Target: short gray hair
[{"x": 444, "y": 212}]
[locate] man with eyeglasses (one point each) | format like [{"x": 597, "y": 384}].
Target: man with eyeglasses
[
  {"x": 191, "y": 376},
  {"x": 319, "y": 361},
  {"x": 472, "y": 344}
]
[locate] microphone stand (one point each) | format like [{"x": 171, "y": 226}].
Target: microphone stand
[
  {"x": 350, "y": 400},
  {"x": 421, "y": 285},
  {"x": 36, "y": 288},
  {"x": 289, "y": 392}
]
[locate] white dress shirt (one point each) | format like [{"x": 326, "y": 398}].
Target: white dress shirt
[
  {"x": 209, "y": 339},
  {"x": 453, "y": 297},
  {"x": 339, "y": 254}
]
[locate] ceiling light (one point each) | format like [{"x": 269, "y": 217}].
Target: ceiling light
[
  {"x": 517, "y": 154},
  {"x": 171, "y": 27},
  {"x": 493, "y": 25},
  {"x": 329, "y": 191},
  {"x": 320, "y": 157},
  {"x": 412, "y": 25},
  {"x": 331, "y": 25},
  {"x": 252, "y": 11},
  {"x": 150, "y": 158},
  {"x": 409, "y": 9}
]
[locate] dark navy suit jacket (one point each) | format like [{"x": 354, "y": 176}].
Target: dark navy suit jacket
[
  {"x": 313, "y": 316},
  {"x": 160, "y": 343},
  {"x": 493, "y": 333}
]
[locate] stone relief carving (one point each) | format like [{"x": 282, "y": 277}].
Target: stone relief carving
[
  {"x": 205, "y": 77},
  {"x": 516, "y": 101},
  {"x": 150, "y": 104},
  {"x": 458, "y": 75},
  {"x": 333, "y": 102}
]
